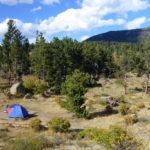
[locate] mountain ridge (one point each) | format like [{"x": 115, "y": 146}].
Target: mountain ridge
[{"x": 133, "y": 36}]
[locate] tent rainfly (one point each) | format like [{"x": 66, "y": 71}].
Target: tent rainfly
[{"x": 17, "y": 111}]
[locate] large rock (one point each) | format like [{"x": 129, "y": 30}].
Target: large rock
[{"x": 17, "y": 89}]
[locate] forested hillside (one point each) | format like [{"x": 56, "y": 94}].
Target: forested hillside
[{"x": 134, "y": 36}]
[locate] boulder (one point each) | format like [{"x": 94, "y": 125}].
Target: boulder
[
  {"x": 28, "y": 96},
  {"x": 17, "y": 89}
]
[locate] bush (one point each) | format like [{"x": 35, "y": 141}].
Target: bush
[
  {"x": 118, "y": 138},
  {"x": 133, "y": 109},
  {"x": 140, "y": 105},
  {"x": 121, "y": 99},
  {"x": 30, "y": 143},
  {"x": 92, "y": 133},
  {"x": 41, "y": 86},
  {"x": 34, "y": 84},
  {"x": 124, "y": 109},
  {"x": 29, "y": 81},
  {"x": 59, "y": 100},
  {"x": 114, "y": 138},
  {"x": 58, "y": 124},
  {"x": 35, "y": 124},
  {"x": 4, "y": 134},
  {"x": 129, "y": 120}
]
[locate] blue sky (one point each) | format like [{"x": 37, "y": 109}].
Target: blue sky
[{"x": 78, "y": 19}]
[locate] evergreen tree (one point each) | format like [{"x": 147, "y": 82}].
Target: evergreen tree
[
  {"x": 75, "y": 87},
  {"x": 37, "y": 56},
  {"x": 6, "y": 48},
  {"x": 25, "y": 63},
  {"x": 124, "y": 68},
  {"x": 15, "y": 52}
]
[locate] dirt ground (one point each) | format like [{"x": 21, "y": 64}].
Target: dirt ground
[{"x": 47, "y": 108}]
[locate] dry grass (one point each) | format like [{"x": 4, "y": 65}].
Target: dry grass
[{"x": 47, "y": 108}]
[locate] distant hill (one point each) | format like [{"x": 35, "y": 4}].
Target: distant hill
[{"x": 134, "y": 36}]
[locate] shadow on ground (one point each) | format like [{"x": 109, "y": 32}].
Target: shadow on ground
[{"x": 102, "y": 114}]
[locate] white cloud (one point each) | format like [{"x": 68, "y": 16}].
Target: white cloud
[
  {"x": 84, "y": 38},
  {"x": 3, "y": 27},
  {"x": 32, "y": 40},
  {"x": 50, "y": 2},
  {"x": 14, "y": 2},
  {"x": 28, "y": 29},
  {"x": 91, "y": 15},
  {"x": 9, "y": 2},
  {"x": 26, "y": 1},
  {"x": 36, "y": 9},
  {"x": 136, "y": 23}
]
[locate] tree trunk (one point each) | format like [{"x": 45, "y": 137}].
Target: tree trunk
[
  {"x": 125, "y": 84},
  {"x": 147, "y": 82}
]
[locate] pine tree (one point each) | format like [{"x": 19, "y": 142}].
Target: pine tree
[
  {"x": 6, "y": 49},
  {"x": 75, "y": 87},
  {"x": 15, "y": 52},
  {"x": 38, "y": 56}
]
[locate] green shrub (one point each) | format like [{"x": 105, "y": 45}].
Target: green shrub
[
  {"x": 105, "y": 94},
  {"x": 118, "y": 138},
  {"x": 34, "y": 84},
  {"x": 129, "y": 120},
  {"x": 114, "y": 138},
  {"x": 140, "y": 105},
  {"x": 30, "y": 143},
  {"x": 41, "y": 86},
  {"x": 89, "y": 133},
  {"x": 35, "y": 124},
  {"x": 124, "y": 109},
  {"x": 122, "y": 99},
  {"x": 58, "y": 124}
]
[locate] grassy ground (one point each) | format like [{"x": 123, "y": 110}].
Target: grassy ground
[{"x": 47, "y": 108}]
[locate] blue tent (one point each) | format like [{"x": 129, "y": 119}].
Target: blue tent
[{"x": 18, "y": 112}]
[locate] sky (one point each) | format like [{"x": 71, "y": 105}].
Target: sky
[{"x": 78, "y": 19}]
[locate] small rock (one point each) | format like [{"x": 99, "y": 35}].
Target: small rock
[
  {"x": 28, "y": 96},
  {"x": 112, "y": 101},
  {"x": 134, "y": 115}
]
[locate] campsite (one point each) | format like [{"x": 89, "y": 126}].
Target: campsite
[
  {"x": 74, "y": 75},
  {"x": 46, "y": 108}
]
